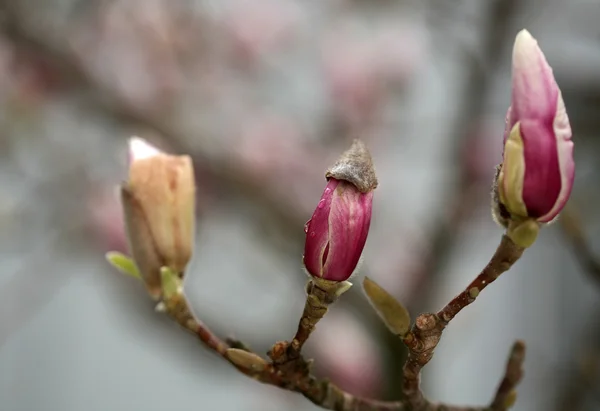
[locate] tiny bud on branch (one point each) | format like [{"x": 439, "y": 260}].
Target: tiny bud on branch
[
  {"x": 394, "y": 315},
  {"x": 246, "y": 360}
]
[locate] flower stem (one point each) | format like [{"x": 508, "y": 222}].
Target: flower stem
[{"x": 320, "y": 294}]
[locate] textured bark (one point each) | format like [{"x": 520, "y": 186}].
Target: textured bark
[{"x": 290, "y": 371}]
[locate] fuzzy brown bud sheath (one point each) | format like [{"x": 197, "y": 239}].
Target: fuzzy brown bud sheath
[
  {"x": 159, "y": 206},
  {"x": 335, "y": 237}
]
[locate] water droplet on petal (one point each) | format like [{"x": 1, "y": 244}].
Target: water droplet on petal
[
  {"x": 321, "y": 204},
  {"x": 312, "y": 234},
  {"x": 306, "y": 226}
]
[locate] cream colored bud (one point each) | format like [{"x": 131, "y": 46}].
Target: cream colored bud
[{"x": 159, "y": 205}]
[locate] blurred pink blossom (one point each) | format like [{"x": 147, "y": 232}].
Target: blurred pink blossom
[
  {"x": 258, "y": 27},
  {"x": 133, "y": 49},
  {"x": 271, "y": 143},
  {"x": 273, "y": 149},
  {"x": 348, "y": 355},
  {"x": 398, "y": 259},
  {"x": 106, "y": 218},
  {"x": 360, "y": 70},
  {"x": 352, "y": 81},
  {"x": 26, "y": 76},
  {"x": 479, "y": 157},
  {"x": 399, "y": 51}
]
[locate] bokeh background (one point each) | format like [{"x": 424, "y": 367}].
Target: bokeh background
[{"x": 265, "y": 94}]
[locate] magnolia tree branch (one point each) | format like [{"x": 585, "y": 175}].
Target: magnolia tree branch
[
  {"x": 293, "y": 372},
  {"x": 286, "y": 367},
  {"x": 427, "y": 330}
]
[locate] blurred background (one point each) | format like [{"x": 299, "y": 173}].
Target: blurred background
[{"x": 264, "y": 95}]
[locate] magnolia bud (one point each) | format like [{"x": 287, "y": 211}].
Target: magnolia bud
[
  {"x": 536, "y": 176},
  {"x": 337, "y": 232},
  {"x": 159, "y": 205}
]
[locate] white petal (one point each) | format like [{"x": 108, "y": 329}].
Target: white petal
[{"x": 140, "y": 149}]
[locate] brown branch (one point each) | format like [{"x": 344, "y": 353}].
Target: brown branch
[
  {"x": 504, "y": 257},
  {"x": 506, "y": 394},
  {"x": 478, "y": 82},
  {"x": 428, "y": 328},
  {"x": 295, "y": 375},
  {"x": 461, "y": 198},
  {"x": 320, "y": 294}
]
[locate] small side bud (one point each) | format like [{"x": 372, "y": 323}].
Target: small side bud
[
  {"x": 246, "y": 360},
  {"x": 392, "y": 313},
  {"x": 510, "y": 400},
  {"x": 123, "y": 263},
  {"x": 523, "y": 233},
  {"x": 171, "y": 283},
  {"x": 342, "y": 287},
  {"x": 335, "y": 288}
]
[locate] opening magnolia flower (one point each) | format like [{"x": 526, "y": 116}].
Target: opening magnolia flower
[{"x": 536, "y": 177}]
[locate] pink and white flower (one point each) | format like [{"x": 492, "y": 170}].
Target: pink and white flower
[{"x": 537, "y": 174}]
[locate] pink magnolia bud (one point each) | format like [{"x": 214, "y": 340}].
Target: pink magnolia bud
[
  {"x": 159, "y": 206},
  {"x": 337, "y": 232},
  {"x": 537, "y": 174}
]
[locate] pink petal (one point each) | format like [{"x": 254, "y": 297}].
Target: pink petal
[
  {"x": 537, "y": 103},
  {"x": 509, "y": 123},
  {"x": 349, "y": 222},
  {"x": 542, "y": 180},
  {"x": 534, "y": 90},
  {"x": 317, "y": 231},
  {"x": 564, "y": 148}
]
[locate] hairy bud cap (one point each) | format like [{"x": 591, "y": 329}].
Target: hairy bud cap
[{"x": 159, "y": 205}]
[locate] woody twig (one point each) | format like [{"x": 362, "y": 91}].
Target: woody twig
[
  {"x": 425, "y": 334},
  {"x": 296, "y": 375},
  {"x": 157, "y": 207},
  {"x": 335, "y": 237},
  {"x": 320, "y": 294}
]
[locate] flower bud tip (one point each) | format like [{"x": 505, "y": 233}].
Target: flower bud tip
[{"x": 355, "y": 165}]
